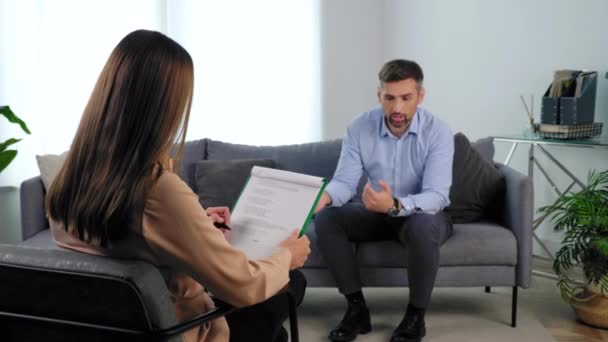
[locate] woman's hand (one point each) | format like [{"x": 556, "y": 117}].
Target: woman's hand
[
  {"x": 299, "y": 248},
  {"x": 220, "y": 215}
]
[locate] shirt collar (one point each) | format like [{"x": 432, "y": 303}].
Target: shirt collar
[{"x": 413, "y": 129}]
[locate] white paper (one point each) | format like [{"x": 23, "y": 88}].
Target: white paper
[{"x": 273, "y": 204}]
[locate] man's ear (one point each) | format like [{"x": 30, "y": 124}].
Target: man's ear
[
  {"x": 421, "y": 94},
  {"x": 379, "y": 94}
]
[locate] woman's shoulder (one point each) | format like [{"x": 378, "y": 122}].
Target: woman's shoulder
[
  {"x": 169, "y": 188},
  {"x": 169, "y": 181}
]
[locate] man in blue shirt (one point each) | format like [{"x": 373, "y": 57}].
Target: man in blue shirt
[{"x": 406, "y": 154}]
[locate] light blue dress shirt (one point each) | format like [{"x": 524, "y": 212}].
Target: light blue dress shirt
[{"x": 417, "y": 167}]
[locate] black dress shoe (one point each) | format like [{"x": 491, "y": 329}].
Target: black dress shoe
[
  {"x": 356, "y": 321},
  {"x": 411, "y": 328}
]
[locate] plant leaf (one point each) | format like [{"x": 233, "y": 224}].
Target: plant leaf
[
  {"x": 6, "y": 157},
  {"x": 8, "y": 143},
  {"x": 601, "y": 244},
  {"x": 582, "y": 218},
  {"x": 8, "y": 113}
]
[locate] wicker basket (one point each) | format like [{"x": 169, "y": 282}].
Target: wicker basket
[
  {"x": 591, "y": 308},
  {"x": 579, "y": 131}
]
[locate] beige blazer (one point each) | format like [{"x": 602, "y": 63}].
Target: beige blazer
[{"x": 177, "y": 236}]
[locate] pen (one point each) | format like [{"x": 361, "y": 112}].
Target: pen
[{"x": 221, "y": 225}]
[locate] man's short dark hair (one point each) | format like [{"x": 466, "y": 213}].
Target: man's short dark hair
[{"x": 399, "y": 70}]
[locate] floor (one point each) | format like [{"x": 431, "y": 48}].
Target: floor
[
  {"x": 558, "y": 318},
  {"x": 543, "y": 301}
]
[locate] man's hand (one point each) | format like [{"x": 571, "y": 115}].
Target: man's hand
[
  {"x": 220, "y": 215},
  {"x": 378, "y": 201},
  {"x": 324, "y": 201}
]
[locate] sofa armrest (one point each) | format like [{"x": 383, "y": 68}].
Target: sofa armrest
[
  {"x": 33, "y": 219},
  {"x": 518, "y": 216}
]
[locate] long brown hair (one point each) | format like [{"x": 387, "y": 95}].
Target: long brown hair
[{"x": 138, "y": 112}]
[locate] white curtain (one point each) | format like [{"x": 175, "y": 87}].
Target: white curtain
[{"x": 256, "y": 67}]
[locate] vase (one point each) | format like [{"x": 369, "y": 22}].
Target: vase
[
  {"x": 591, "y": 307},
  {"x": 595, "y": 289}
]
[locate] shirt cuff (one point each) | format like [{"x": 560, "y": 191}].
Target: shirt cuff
[
  {"x": 409, "y": 207},
  {"x": 335, "y": 192}
]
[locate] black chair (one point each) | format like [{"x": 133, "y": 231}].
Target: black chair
[{"x": 63, "y": 295}]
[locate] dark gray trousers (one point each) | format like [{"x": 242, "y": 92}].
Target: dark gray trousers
[{"x": 423, "y": 234}]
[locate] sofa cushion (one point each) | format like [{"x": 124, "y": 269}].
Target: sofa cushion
[
  {"x": 470, "y": 244},
  {"x": 485, "y": 147},
  {"x": 194, "y": 151},
  {"x": 220, "y": 182},
  {"x": 49, "y": 165},
  {"x": 315, "y": 159},
  {"x": 43, "y": 239},
  {"x": 476, "y": 183}
]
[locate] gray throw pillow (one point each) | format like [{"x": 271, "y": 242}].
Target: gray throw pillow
[
  {"x": 485, "y": 147},
  {"x": 219, "y": 182},
  {"x": 476, "y": 184}
]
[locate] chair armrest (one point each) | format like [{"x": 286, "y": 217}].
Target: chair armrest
[
  {"x": 518, "y": 216},
  {"x": 33, "y": 219},
  {"x": 221, "y": 309}
]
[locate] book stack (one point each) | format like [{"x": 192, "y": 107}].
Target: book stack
[
  {"x": 568, "y": 106},
  {"x": 579, "y": 131}
]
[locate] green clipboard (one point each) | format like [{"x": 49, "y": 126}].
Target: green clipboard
[{"x": 310, "y": 213}]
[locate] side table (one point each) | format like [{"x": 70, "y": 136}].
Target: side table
[{"x": 535, "y": 142}]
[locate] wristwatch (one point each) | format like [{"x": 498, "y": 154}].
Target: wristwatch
[{"x": 394, "y": 211}]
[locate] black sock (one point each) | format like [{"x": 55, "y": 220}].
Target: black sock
[
  {"x": 415, "y": 309},
  {"x": 356, "y": 298}
]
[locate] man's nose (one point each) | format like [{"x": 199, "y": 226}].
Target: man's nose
[{"x": 398, "y": 106}]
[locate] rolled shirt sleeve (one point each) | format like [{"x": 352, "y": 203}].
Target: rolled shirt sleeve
[{"x": 343, "y": 185}]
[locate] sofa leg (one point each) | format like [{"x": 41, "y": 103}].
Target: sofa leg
[
  {"x": 514, "y": 307},
  {"x": 488, "y": 289}
]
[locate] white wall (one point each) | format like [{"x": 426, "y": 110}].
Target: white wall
[
  {"x": 479, "y": 56},
  {"x": 352, "y": 41},
  {"x": 51, "y": 53},
  {"x": 257, "y": 67}
]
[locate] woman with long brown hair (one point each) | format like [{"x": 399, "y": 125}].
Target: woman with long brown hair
[{"x": 117, "y": 194}]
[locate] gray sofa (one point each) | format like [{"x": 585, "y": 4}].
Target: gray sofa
[{"x": 485, "y": 254}]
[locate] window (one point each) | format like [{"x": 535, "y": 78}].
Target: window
[{"x": 257, "y": 68}]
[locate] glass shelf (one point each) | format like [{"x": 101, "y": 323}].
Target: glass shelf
[{"x": 528, "y": 136}]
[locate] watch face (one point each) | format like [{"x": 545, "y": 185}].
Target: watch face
[{"x": 393, "y": 212}]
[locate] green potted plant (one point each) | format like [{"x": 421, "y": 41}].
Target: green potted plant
[
  {"x": 9, "y": 195},
  {"x": 7, "y": 156},
  {"x": 583, "y": 218}
]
